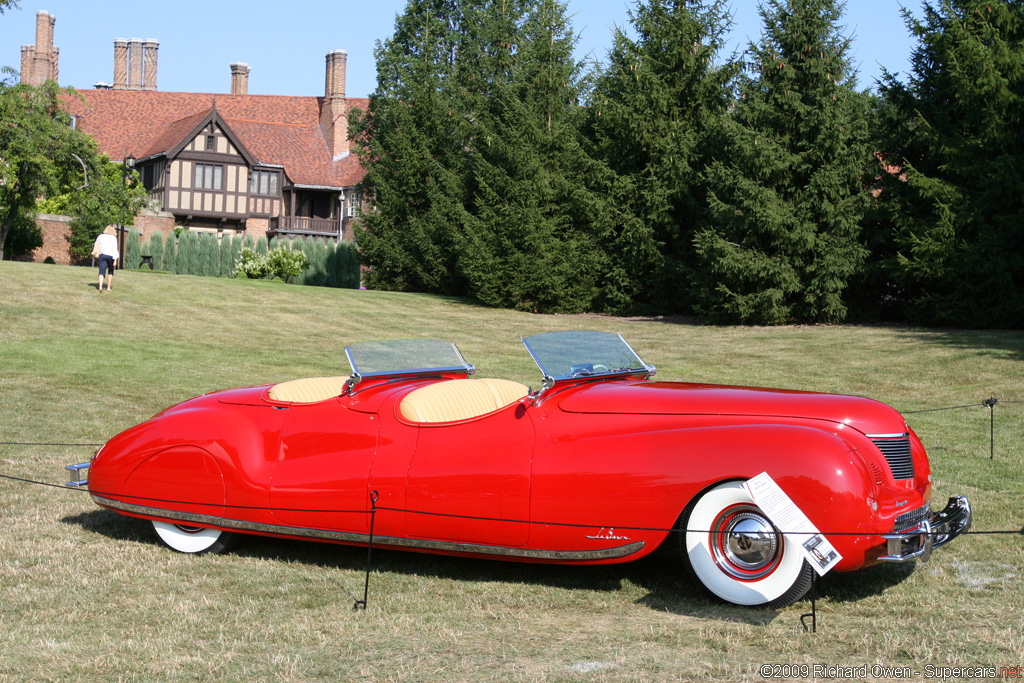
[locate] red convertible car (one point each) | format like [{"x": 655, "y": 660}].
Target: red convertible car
[{"x": 600, "y": 465}]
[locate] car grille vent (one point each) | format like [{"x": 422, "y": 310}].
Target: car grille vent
[
  {"x": 877, "y": 474},
  {"x": 897, "y": 453},
  {"x": 908, "y": 520}
]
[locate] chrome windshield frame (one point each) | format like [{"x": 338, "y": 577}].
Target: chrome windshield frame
[
  {"x": 584, "y": 373},
  {"x": 463, "y": 368}
]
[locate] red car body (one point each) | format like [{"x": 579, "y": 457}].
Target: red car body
[{"x": 598, "y": 467}]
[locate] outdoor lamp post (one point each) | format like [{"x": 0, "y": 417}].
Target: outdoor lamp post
[{"x": 126, "y": 169}]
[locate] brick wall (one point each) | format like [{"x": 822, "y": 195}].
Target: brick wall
[
  {"x": 149, "y": 222},
  {"x": 56, "y": 230},
  {"x": 256, "y": 227}
]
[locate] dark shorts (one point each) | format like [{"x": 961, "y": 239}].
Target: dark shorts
[{"x": 106, "y": 262}]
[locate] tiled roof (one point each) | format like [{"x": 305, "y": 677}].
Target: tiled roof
[{"x": 275, "y": 129}]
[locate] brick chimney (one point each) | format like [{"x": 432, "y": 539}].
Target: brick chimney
[
  {"x": 150, "y": 48},
  {"x": 135, "y": 64},
  {"x": 120, "y": 64},
  {"x": 39, "y": 61},
  {"x": 334, "y": 113},
  {"x": 239, "y": 78}
]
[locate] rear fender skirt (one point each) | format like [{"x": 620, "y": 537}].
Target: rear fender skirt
[{"x": 346, "y": 537}]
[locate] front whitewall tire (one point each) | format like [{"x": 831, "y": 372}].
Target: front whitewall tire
[{"x": 781, "y": 580}]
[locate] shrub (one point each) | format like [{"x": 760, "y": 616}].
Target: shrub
[
  {"x": 261, "y": 245},
  {"x": 226, "y": 255},
  {"x": 170, "y": 258},
  {"x": 188, "y": 254},
  {"x": 49, "y": 259},
  {"x": 209, "y": 256},
  {"x": 281, "y": 262},
  {"x": 155, "y": 248},
  {"x": 133, "y": 250}
]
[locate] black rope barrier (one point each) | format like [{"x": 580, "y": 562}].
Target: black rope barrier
[
  {"x": 39, "y": 443},
  {"x": 989, "y": 403},
  {"x": 374, "y": 495},
  {"x": 374, "y": 508}
]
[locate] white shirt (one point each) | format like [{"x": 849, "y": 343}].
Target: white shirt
[{"x": 107, "y": 244}]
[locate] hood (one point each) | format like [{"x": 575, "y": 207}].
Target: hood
[{"x": 679, "y": 398}]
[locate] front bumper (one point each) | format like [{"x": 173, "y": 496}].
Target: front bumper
[
  {"x": 79, "y": 474},
  {"x": 918, "y": 542}
]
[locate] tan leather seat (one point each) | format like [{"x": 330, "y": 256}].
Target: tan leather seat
[
  {"x": 310, "y": 390},
  {"x": 460, "y": 399}
]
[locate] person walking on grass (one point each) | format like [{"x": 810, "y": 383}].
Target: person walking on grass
[{"x": 105, "y": 250}]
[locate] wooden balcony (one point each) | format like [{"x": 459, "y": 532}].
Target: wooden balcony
[{"x": 300, "y": 225}]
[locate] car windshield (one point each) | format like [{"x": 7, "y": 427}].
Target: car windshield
[
  {"x": 565, "y": 355},
  {"x": 405, "y": 356}
]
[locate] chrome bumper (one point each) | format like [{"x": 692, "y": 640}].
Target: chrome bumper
[
  {"x": 79, "y": 474},
  {"x": 917, "y": 543}
]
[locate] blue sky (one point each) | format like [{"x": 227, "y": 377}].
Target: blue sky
[{"x": 285, "y": 48}]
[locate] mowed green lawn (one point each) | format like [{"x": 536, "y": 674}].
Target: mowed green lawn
[{"x": 88, "y": 595}]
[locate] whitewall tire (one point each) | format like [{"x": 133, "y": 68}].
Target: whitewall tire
[
  {"x": 193, "y": 540},
  {"x": 736, "y": 553}
]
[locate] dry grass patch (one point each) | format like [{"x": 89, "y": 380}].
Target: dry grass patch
[{"x": 90, "y": 595}]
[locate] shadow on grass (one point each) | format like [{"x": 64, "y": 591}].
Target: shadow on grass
[
  {"x": 1006, "y": 343},
  {"x": 668, "y": 587}
]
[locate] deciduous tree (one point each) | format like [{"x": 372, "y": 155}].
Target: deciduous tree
[{"x": 40, "y": 153}]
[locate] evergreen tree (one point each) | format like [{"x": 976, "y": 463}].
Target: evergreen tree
[
  {"x": 209, "y": 256},
  {"x": 155, "y": 248},
  {"x": 954, "y": 147},
  {"x": 132, "y": 249},
  {"x": 411, "y": 145},
  {"x": 473, "y": 151},
  {"x": 653, "y": 115},
  {"x": 261, "y": 245},
  {"x": 787, "y": 195},
  {"x": 170, "y": 258},
  {"x": 188, "y": 254},
  {"x": 533, "y": 222},
  {"x": 226, "y": 255}
]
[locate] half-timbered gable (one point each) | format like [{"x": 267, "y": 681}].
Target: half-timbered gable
[{"x": 253, "y": 164}]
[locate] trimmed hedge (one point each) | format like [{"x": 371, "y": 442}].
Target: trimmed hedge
[{"x": 329, "y": 264}]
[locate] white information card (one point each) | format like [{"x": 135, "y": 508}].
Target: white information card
[{"x": 792, "y": 522}]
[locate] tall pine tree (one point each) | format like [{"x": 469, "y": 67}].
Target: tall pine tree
[
  {"x": 533, "y": 221},
  {"x": 788, "y": 193},
  {"x": 654, "y": 112},
  {"x": 955, "y": 146},
  {"x": 474, "y": 156},
  {"x": 411, "y": 145}
]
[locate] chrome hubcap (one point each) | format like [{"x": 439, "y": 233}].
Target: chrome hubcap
[{"x": 745, "y": 545}]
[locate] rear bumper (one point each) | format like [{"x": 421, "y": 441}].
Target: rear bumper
[{"x": 918, "y": 542}]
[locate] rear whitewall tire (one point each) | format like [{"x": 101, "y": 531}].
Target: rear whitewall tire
[
  {"x": 194, "y": 540},
  {"x": 737, "y": 555}
]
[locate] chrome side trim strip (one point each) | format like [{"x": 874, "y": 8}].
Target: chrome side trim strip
[{"x": 344, "y": 536}]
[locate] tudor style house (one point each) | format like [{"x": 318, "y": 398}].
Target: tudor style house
[{"x": 230, "y": 163}]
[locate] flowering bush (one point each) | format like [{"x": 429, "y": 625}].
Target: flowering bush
[{"x": 280, "y": 262}]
